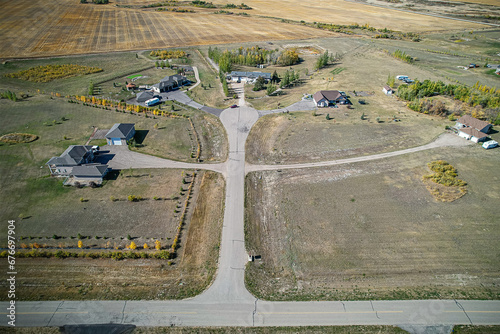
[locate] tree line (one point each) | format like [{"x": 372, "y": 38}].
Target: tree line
[{"x": 485, "y": 100}]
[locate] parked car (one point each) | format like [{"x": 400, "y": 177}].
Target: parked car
[
  {"x": 402, "y": 77},
  {"x": 408, "y": 80},
  {"x": 234, "y": 106}
]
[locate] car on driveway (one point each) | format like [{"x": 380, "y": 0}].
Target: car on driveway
[{"x": 234, "y": 106}]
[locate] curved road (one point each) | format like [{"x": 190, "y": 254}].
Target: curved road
[{"x": 227, "y": 302}]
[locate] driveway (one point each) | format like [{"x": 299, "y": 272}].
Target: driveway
[
  {"x": 120, "y": 157},
  {"x": 297, "y": 106}
]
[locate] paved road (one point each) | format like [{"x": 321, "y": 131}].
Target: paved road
[{"x": 227, "y": 302}]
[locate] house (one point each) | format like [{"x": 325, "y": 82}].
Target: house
[
  {"x": 144, "y": 96},
  {"x": 388, "y": 90},
  {"x": 325, "y": 98},
  {"x": 131, "y": 86},
  {"x": 120, "y": 134},
  {"x": 91, "y": 172},
  {"x": 169, "y": 83},
  {"x": 248, "y": 77},
  {"x": 467, "y": 121},
  {"x": 74, "y": 155},
  {"x": 472, "y": 134}
]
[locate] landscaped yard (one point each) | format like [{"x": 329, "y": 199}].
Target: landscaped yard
[
  {"x": 373, "y": 231},
  {"x": 83, "y": 278}
]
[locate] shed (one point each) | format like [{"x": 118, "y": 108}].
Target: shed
[{"x": 388, "y": 90}]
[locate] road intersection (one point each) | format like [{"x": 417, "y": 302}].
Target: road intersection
[{"x": 227, "y": 302}]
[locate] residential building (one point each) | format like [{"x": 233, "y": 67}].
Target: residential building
[
  {"x": 73, "y": 156},
  {"x": 248, "y": 77},
  {"x": 467, "y": 121},
  {"x": 325, "y": 98},
  {"x": 120, "y": 133},
  {"x": 170, "y": 82}
]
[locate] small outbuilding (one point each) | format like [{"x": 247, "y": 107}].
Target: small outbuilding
[
  {"x": 388, "y": 90},
  {"x": 131, "y": 86},
  {"x": 120, "y": 134}
]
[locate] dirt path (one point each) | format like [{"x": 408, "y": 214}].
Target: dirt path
[{"x": 446, "y": 139}]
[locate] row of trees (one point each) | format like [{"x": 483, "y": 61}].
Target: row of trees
[
  {"x": 51, "y": 72},
  {"x": 251, "y": 57},
  {"x": 326, "y": 59},
  {"x": 168, "y": 54},
  {"x": 398, "y": 54}
]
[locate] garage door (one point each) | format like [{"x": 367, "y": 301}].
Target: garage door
[{"x": 117, "y": 141}]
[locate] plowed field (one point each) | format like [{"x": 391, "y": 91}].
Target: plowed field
[{"x": 42, "y": 28}]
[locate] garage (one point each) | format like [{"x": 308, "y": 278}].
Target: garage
[{"x": 116, "y": 141}]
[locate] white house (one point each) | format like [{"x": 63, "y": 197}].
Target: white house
[
  {"x": 472, "y": 134},
  {"x": 248, "y": 77},
  {"x": 388, "y": 90},
  {"x": 120, "y": 134}
]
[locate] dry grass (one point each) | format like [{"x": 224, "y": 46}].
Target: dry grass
[
  {"x": 75, "y": 279},
  {"x": 63, "y": 27},
  {"x": 373, "y": 231},
  {"x": 443, "y": 193},
  {"x": 334, "y": 11}
]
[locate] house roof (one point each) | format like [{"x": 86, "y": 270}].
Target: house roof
[
  {"x": 170, "y": 79},
  {"x": 71, "y": 157},
  {"x": 147, "y": 94},
  {"x": 120, "y": 130},
  {"x": 92, "y": 170},
  {"x": 130, "y": 85},
  {"x": 472, "y": 122},
  {"x": 387, "y": 88},
  {"x": 330, "y": 95},
  {"x": 251, "y": 74},
  {"x": 473, "y": 132}
]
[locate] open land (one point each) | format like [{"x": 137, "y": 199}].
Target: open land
[
  {"x": 63, "y": 28},
  {"x": 373, "y": 231},
  {"x": 187, "y": 275}
]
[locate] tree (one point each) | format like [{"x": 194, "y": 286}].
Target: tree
[
  {"x": 133, "y": 245},
  {"x": 80, "y": 244},
  {"x": 327, "y": 117},
  {"x": 275, "y": 78},
  {"x": 259, "y": 84},
  {"x": 391, "y": 81},
  {"x": 271, "y": 89},
  {"x": 288, "y": 57},
  {"x": 157, "y": 245},
  {"x": 145, "y": 246}
]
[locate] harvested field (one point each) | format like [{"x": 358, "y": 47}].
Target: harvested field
[
  {"x": 66, "y": 28},
  {"x": 104, "y": 279},
  {"x": 373, "y": 231},
  {"x": 334, "y": 11}
]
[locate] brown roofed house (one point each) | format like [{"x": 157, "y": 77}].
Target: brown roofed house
[{"x": 467, "y": 121}]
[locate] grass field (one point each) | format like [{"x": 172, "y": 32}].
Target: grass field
[
  {"x": 373, "y": 231},
  {"x": 193, "y": 269},
  {"x": 24, "y": 181}
]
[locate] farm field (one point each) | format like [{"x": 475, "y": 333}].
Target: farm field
[
  {"x": 104, "y": 279},
  {"x": 373, "y": 231},
  {"x": 25, "y": 184},
  {"x": 65, "y": 28},
  {"x": 335, "y": 12}
]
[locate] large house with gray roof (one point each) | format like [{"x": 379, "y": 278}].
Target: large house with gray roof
[
  {"x": 170, "y": 82},
  {"x": 120, "y": 134},
  {"x": 73, "y": 156},
  {"x": 77, "y": 164}
]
